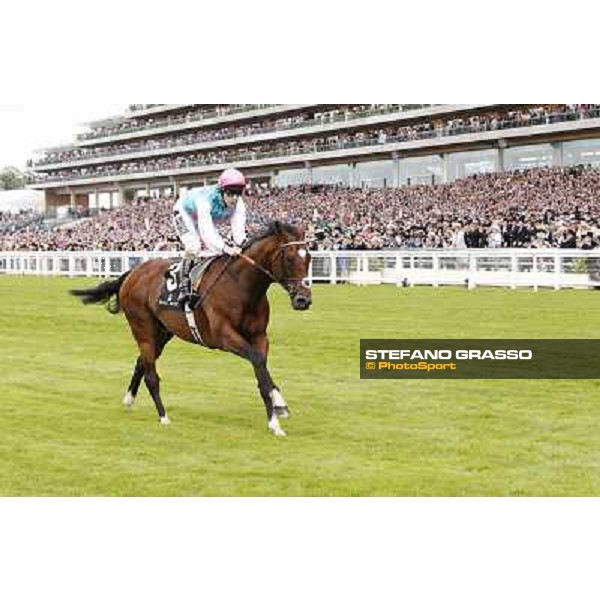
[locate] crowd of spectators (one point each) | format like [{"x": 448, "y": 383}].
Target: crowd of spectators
[
  {"x": 199, "y": 113},
  {"x": 221, "y": 133},
  {"x": 144, "y": 224},
  {"x": 539, "y": 208},
  {"x": 11, "y": 223},
  {"x": 123, "y": 126},
  {"x": 489, "y": 121}
]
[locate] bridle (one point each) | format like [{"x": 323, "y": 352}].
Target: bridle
[{"x": 289, "y": 284}]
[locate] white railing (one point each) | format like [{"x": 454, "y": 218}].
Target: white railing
[
  {"x": 74, "y": 264},
  {"x": 471, "y": 268}
]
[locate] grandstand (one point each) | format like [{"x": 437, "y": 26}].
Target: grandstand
[{"x": 161, "y": 148}]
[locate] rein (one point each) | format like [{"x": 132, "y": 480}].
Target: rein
[
  {"x": 254, "y": 264},
  {"x": 214, "y": 283},
  {"x": 189, "y": 312}
]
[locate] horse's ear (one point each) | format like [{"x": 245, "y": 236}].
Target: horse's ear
[{"x": 277, "y": 228}]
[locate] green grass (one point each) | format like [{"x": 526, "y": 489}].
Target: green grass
[{"x": 65, "y": 369}]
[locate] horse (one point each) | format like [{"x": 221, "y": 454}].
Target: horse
[{"x": 232, "y": 316}]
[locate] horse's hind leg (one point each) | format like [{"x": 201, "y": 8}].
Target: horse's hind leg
[
  {"x": 150, "y": 353},
  {"x": 153, "y": 384},
  {"x": 151, "y": 338},
  {"x": 138, "y": 373},
  {"x": 134, "y": 386}
]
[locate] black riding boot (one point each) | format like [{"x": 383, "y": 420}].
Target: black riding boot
[{"x": 186, "y": 294}]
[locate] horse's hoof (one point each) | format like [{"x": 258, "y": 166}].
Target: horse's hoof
[
  {"x": 165, "y": 421},
  {"x": 283, "y": 412},
  {"x": 129, "y": 401},
  {"x": 275, "y": 428},
  {"x": 279, "y": 432}
]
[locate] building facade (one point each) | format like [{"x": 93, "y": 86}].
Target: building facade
[{"x": 166, "y": 147}]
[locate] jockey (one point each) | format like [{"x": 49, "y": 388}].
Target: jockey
[{"x": 195, "y": 215}]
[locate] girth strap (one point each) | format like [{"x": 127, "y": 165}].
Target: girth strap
[{"x": 191, "y": 319}]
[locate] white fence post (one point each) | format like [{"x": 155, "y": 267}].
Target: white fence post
[
  {"x": 334, "y": 273},
  {"x": 514, "y": 269},
  {"x": 557, "y": 271},
  {"x": 436, "y": 269},
  {"x": 399, "y": 269},
  {"x": 472, "y": 271}
]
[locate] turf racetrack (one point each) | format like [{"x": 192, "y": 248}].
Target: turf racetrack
[{"x": 65, "y": 370}]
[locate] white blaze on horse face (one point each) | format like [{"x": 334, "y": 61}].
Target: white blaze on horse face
[
  {"x": 277, "y": 398},
  {"x": 302, "y": 254}
]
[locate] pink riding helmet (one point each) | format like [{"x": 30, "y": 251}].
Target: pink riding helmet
[{"x": 232, "y": 178}]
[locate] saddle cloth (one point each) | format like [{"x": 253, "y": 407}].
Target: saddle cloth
[{"x": 173, "y": 281}]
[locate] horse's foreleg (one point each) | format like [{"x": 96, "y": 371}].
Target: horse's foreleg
[
  {"x": 280, "y": 406},
  {"x": 235, "y": 343}
]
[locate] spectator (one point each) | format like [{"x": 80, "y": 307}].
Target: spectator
[{"x": 539, "y": 208}]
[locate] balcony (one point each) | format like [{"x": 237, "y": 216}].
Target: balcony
[
  {"x": 183, "y": 122},
  {"x": 458, "y": 139},
  {"x": 345, "y": 120}
]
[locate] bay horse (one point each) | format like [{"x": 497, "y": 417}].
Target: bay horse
[{"x": 232, "y": 316}]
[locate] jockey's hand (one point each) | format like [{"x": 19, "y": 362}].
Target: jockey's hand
[{"x": 232, "y": 251}]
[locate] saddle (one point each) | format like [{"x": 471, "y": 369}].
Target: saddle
[{"x": 174, "y": 281}]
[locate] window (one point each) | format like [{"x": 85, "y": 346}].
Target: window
[
  {"x": 376, "y": 174},
  {"x": 291, "y": 177},
  {"x": 465, "y": 164},
  {"x": 423, "y": 170},
  {"x": 336, "y": 174},
  {"x": 528, "y": 157},
  {"x": 584, "y": 152}
]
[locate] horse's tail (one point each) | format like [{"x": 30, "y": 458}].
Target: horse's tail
[{"x": 106, "y": 293}]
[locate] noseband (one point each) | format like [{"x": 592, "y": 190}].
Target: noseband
[{"x": 289, "y": 284}]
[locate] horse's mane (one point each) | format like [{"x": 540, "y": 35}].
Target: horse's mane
[{"x": 273, "y": 229}]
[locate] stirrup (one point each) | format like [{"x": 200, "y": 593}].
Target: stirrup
[
  {"x": 184, "y": 296},
  {"x": 192, "y": 300}
]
